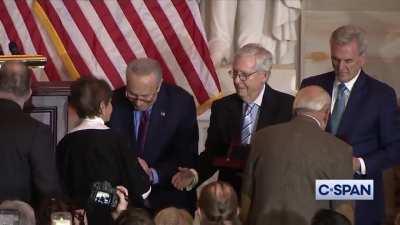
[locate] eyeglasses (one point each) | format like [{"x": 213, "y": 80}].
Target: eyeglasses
[
  {"x": 243, "y": 76},
  {"x": 144, "y": 98}
]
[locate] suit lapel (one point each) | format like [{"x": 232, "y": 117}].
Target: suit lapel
[
  {"x": 157, "y": 120},
  {"x": 267, "y": 109},
  {"x": 327, "y": 85},
  {"x": 235, "y": 111}
]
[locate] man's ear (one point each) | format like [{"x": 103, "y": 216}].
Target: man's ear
[
  {"x": 102, "y": 107},
  {"x": 199, "y": 213}
]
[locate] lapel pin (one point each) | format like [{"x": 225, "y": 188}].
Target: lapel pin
[{"x": 162, "y": 113}]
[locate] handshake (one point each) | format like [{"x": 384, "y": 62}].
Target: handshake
[{"x": 185, "y": 178}]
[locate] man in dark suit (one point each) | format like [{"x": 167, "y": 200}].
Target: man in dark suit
[
  {"x": 160, "y": 120},
  {"x": 287, "y": 158},
  {"x": 27, "y": 162},
  {"x": 364, "y": 114},
  {"x": 236, "y": 117}
]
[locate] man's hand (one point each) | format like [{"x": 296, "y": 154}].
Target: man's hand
[
  {"x": 356, "y": 165},
  {"x": 122, "y": 193},
  {"x": 144, "y": 166},
  {"x": 183, "y": 178}
]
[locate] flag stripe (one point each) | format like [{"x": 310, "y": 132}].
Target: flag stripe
[
  {"x": 178, "y": 50},
  {"x": 144, "y": 37},
  {"x": 51, "y": 37},
  {"x": 201, "y": 69},
  {"x": 113, "y": 30},
  {"x": 197, "y": 37},
  {"x": 37, "y": 40},
  {"x": 90, "y": 37},
  {"x": 77, "y": 59}
]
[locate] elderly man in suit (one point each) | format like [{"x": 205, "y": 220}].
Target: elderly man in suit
[
  {"x": 160, "y": 120},
  {"x": 27, "y": 163},
  {"x": 236, "y": 117},
  {"x": 286, "y": 159},
  {"x": 364, "y": 114}
]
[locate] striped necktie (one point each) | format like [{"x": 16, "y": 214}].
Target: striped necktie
[
  {"x": 247, "y": 125},
  {"x": 338, "y": 108}
]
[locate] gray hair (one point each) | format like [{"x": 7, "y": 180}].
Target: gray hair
[
  {"x": 263, "y": 56},
  {"x": 144, "y": 67},
  {"x": 25, "y": 210},
  {"x": 346, "y": 34},
  {"x": 15, "y": 78},
  {"x": 311, "y": 98}
]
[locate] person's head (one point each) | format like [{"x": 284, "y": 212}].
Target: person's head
[
  {"x": 314, "y": 101},
  {"x": 251, "y": 68},
  {"x": 27, "y": 215},
  {"x": 91, "y": 97},
  {"x": 172, "y": 215},
  {"x": 143, "y": 82},
  {"x": 348, "y": 48},
  {"x": 329, "y": 217},
  {"x": 134, "y": 216},
  {"x": 218, "y": 204},
  {"x": 15, "y": 82}
]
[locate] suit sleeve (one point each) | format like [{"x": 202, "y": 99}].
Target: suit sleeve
[
  {"x": 389, "y": 136},
  {"x": 205, "y": 168},
  {"x": 42, "y": 159},
  {"x": 135, "y": 178},
  {"x": 184, "y": 151}
]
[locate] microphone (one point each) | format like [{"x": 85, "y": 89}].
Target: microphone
[{"x": 13, "y": 47}]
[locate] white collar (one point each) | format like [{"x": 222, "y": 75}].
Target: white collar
[
  {"x": 96, "y": 123},
  {"x": 312, "y": 117},
  {"x": 260, "y": 96},
  {"x": 349, "y": 84}
]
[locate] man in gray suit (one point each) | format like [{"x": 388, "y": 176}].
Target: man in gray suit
[{"x": 285, "y": 161}]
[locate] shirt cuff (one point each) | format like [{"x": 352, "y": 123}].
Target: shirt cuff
[
  {"x": 195, "y": 180},
  {"x": 154, "y": 176},
  {"x": 145, "y": 195},
  {"x": 363, "y": 168}
]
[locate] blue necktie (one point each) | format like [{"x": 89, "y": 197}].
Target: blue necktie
[
  {"x": 247, "y": 123},
  {"x": 338, "y": 108}
]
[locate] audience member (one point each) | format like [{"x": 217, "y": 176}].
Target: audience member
[
  {"x": 134, "y": 216},
  {"x": 236, "y": 117},
  {"x": 91, "y": 152},
  {"x": 329, "y": 217},
  {"x": 26, "y": 213},
  {"x": 287, "y": 159},
  {"x": 218, "y": 204},
  {"x": 173, "y": 216},
  {"x": 160, "y": 121}
]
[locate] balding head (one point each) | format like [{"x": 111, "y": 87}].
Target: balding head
[
  {"x": 217, "y": 203},
  {"x": 313, "y": 101},
  {"x": 15, "y": 82}
]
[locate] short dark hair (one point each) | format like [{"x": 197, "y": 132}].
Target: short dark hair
[
  {"x": 134, "y": 216},
  {"x": 15, "y": 78},
  {"x": 329, "y": 217},
  {"x": 218, "y": 203},
  {"x": 87, "y": 94}
]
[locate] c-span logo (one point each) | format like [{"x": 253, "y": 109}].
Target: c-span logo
[{"x": 344, "y": 189}]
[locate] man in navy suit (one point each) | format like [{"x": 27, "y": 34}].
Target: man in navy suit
[
  {"x": 363, "y": 114},
  {"x": 160, "y": 120}
]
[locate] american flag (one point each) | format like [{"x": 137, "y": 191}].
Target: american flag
[{"x": 99, "y": 38}]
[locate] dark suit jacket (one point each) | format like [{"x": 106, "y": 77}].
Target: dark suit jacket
[
  {"x": 27, "y": 162},
  {"x": 283, "y": 165},
  {"x": 172, "y": 140},
  {"x": 371, "y": 124},
  {"x": 225, "y": 127}
]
